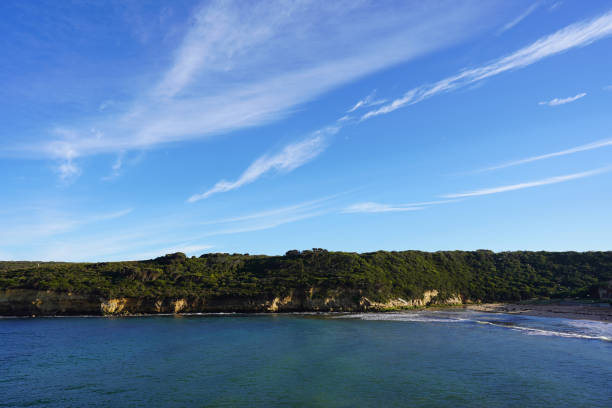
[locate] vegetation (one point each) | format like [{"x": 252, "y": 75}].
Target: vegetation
[{"x": 479, "y": 275}]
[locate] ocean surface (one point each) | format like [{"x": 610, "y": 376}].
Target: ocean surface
[{"x": 417, "y": 359}]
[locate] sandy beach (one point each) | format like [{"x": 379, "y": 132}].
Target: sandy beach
[{"x": 565, "y": 310}]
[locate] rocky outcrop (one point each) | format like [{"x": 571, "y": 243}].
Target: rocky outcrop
[
  {"x": 453, "y": 300},
  {"x": 23, "y": 302},
  {"x": 113, "y": 306},
  {"x": 429, "y": 298},
  {"x": 179, "y": 305}
]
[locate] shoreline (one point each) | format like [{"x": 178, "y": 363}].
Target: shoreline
[
  {"x": 566, "y": 311},
  {"x": 575, "y": 311}
]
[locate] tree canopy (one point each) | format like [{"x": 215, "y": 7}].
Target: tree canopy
[{"x": 476, "y": 275}]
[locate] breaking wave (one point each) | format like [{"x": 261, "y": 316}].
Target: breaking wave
[
  {"x": 529, "y": 325},
  {"x": 543, "y": 332},
  {"x": 401, "y": 317}
]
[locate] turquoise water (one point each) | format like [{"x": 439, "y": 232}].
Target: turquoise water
[{"x": 424, "y": 359}]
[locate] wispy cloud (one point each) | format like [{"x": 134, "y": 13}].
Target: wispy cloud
[
  {"x": 267, "y": 219},
  {"x": 20, "y": 226},
  {"x": 125, "y": 245},
  {"x": 513, "y": 187},
  {"x": 172, "y": 233},
  {"x": 578, "y": 34},
  {"x": 307, "y": 206},
  {"x": 372, "y": 207},
  {"x": 575, "y": 35},
  {"x": 608, "y": 88},
  {"x": 68, "y": 170},
  {"x": 71, "y": 235},
  {"x": 577, "y": 149},
  {"x": 289, "y": 158},
  {"x": 232, "y": 69},
  {"x": 115, "y": 168},
  {"x": 265, "y": 223},
  {"x": 108, "y": 216},
  {"x": 563, "y": 101},
  {"x": 366, "y": 102},
  {"x": 520, "y": 17}
]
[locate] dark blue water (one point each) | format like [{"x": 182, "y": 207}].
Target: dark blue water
[{"x": 425, "y": 359}]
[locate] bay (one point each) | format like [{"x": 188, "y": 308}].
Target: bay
[{"x": 420, "y": 359}]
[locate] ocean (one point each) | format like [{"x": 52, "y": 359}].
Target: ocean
[{"x": 409, "y": 359}]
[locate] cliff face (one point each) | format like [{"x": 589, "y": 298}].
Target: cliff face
[{"x": 23, "y": 302}]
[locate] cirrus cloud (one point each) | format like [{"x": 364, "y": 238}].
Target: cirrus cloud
[
  {"x": 529, "y": 184},
  {"x": 563, "y": 101}
]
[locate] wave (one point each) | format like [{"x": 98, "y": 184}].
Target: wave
[
  {"x": 401, "y": 317},
  {"x": 601, "y": 328},
  {"x": 570, "y": 328},
  {"x": 543, "y": 332}
]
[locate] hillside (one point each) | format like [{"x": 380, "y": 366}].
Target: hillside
[{"x": 307, "y": 280}]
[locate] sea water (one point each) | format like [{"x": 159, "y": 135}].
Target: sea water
[{"x": 417, "y": 359}]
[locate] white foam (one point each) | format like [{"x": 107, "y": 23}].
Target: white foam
[
  {"x": 542, "y": 332},
  {"x": 600, "y": 328},
  {"x": 400, "y": 317},
  {"x": 578, "y": 329}
]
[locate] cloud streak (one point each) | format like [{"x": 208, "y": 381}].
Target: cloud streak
[
  {"x": 142, "y": 239},
  {"x": 52, "y": 223},
  {"x": 268, "y": 219},
  {"x": 372, "y": 207},
  {"x": 563, "y": 101},
  {"x": 577, "y": 149},
  {"x": 531, "y": 184},
  {"x": 366, "y": 102},
  {"x": 575, "y": 35},
  {"x": 306, "y": 206},
  {"x": 519, "y": 18},
  {"x": 288, "y": 159}
]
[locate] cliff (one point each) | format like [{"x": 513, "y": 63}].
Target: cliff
[{"x": 26, "y": 302}]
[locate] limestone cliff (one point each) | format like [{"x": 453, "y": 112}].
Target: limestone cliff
[
  {"x": 24, "y": 302},
  {"x": 430, "y": 297}
]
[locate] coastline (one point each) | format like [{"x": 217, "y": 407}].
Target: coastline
[{"x": 575, "y": 311}]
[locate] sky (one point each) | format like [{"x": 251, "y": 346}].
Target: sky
[{"x": 132, "y": 129}]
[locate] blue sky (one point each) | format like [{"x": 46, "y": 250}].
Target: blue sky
[{"x": 133, "y": 129}]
